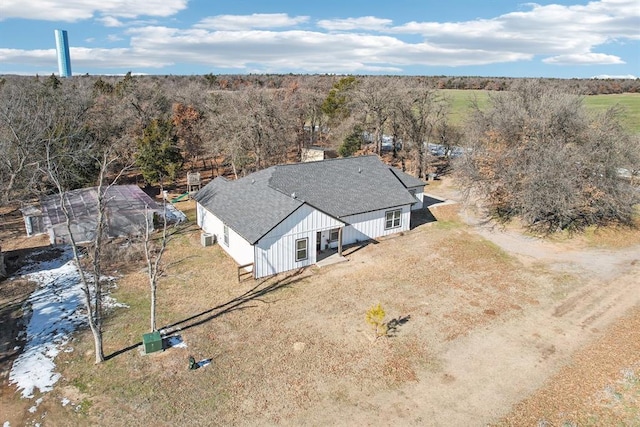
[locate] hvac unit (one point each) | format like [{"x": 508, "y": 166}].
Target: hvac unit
[{"x": 207, "y": 239}]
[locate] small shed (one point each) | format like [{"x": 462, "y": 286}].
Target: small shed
[
  {"x": 128, "y": 211},
  {"x": 315, "y": 154}
]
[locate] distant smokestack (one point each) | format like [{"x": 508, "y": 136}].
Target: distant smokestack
[{"x": 62, "y": 47}]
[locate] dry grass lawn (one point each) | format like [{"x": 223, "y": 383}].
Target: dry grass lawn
[{"x": 295, "y": 349}]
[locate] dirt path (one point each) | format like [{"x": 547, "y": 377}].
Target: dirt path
[
  {"x": 531, "y": 348},
  {"x": 475, "y": 389}
]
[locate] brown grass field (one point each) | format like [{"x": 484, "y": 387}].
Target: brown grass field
[{"x": 499, "y": 328}]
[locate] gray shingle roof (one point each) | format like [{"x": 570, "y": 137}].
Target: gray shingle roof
[
  {"x": 247, "y": 205},
  {"x": 342, "y": 187},
  {"x": 255, "y": 204},
  {"x": 409, "y": 181}
]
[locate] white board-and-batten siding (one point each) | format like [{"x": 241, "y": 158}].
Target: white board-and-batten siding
[
  {"x": 420, "y": 202},
  {"x": 370, "y": 225},
  {"x": 239, "y": 249},
  {"x": 418, "y": 193},
  {"x": 276, "y": 251}
]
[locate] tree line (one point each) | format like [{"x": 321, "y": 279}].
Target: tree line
[
  {"x": 164, "y": 123},
  {"x": 238, "y": 124}
]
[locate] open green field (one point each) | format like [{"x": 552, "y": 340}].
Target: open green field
[
  {"x": 461, "y": 105},
  {"x": 461, "y": 101},
  {"x": 629, "y": 101}
]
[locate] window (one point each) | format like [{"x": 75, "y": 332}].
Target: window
[
  {"x": 333, "y": 235},
  {"x": 301, "y": 249},
  {"x": 225, "y": 231},
  {"x": 393, "y": 219}
]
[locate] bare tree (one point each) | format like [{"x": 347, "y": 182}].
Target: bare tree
[
  {"x": 3, "y": 269},
  {"x": 153, "y": 252},
  {"x": 26, "y": 109},
  {"x": 92, "y": 283},
  {"x": 535, "y": 153},
  {"x": 253, "y": 126},
  {"x": 420, "y": 110},
  {"x": 303, "y": 116},
  {"x": 70, "y": 149},
  {"x": 373, "y": 98},
  {"x": 189, "y": 116},
  {"x": 213, "y": 126}
]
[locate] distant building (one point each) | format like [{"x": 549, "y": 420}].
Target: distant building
[
  {"x": 62, "y": 47},
  {"x": 314, "y": 154}
]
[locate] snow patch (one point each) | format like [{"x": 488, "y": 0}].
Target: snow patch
[
  {"x": 55, "y": 307},
  {"x": 34, "y": 408},
  {"x": 174, "y": 215},
  {"x": 54, "y": 311},
  {"x": 176, "y": 341}
]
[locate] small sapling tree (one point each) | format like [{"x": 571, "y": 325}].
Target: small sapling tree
[{"x": 375, "y": 317}]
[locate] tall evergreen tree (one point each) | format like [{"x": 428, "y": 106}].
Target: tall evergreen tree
[{"x": 159, "y": 156}]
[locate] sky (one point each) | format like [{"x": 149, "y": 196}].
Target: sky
[{"x": 493, "y": 38}]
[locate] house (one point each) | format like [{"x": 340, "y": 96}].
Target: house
[
  {"x": 283, "y": 217},
  {"x": 128, "y": 211}
]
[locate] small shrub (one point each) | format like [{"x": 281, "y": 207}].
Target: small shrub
[{"x": 375, "y": 317}]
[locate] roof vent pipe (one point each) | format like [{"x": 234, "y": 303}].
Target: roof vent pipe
[
  {"x": 293, "y": 195},
  {"x": 359, "y": 170}
]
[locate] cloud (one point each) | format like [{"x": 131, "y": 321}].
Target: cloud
[
  {"x": 28, "y": 57},
  {"x": 247, "y": 22},
  {"x": 110, "y": 21},
  {"x": 73, "y": 11},
  {"x": 584, "y": 59},
  {"x": 365, "y": 23},
  {"x": 83, "y": 58},
  {"x": 312, "y": 51},
  {"x": 542, "y": 30},
  {"x": 608, "y": 77}
]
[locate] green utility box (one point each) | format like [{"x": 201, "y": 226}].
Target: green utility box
[{"x": 152, "y": 342}]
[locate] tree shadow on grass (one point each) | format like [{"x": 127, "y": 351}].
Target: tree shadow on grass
[
  {"x": 355, "y": 247},
  {"x": 394, "y": 324},
  {"x": 263, "y": 288}
]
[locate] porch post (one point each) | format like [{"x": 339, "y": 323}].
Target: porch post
[{"x": 340, "y": 241}]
